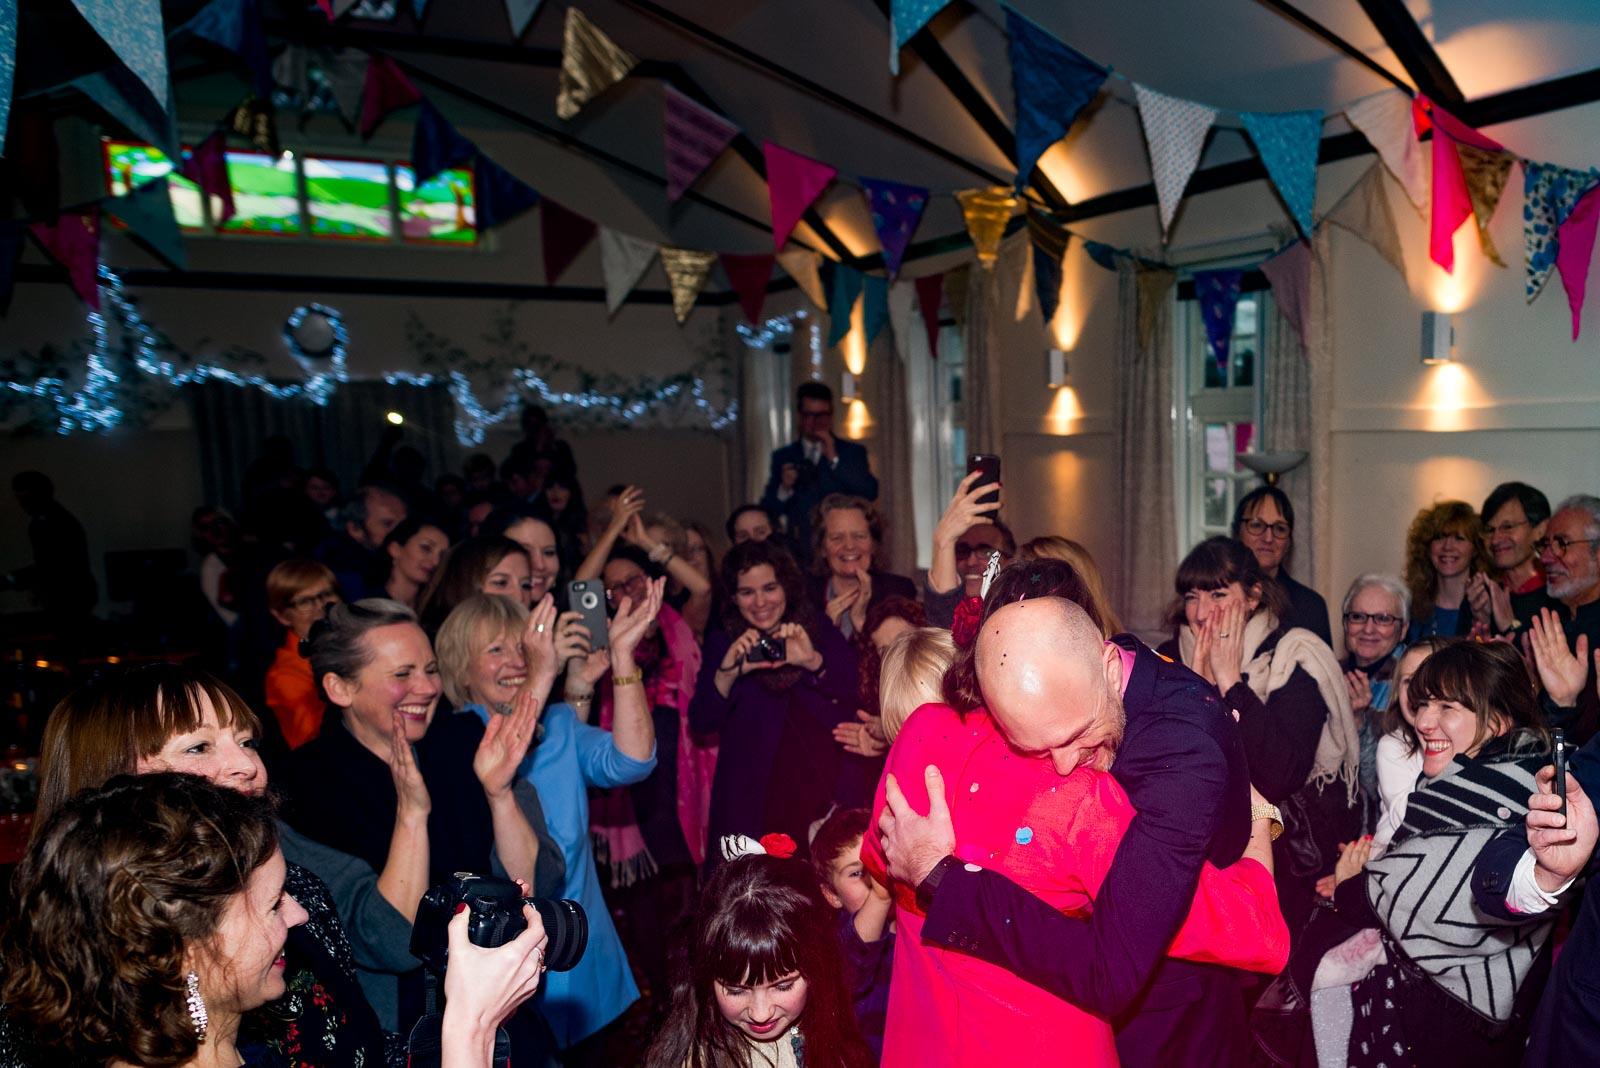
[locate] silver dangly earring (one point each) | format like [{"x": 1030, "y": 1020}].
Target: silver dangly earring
[{"x": 197, "y": 1006}]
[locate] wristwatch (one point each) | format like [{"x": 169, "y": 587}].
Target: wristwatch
[
  {"x": 930, "y": 882},
  {"x": 1268, "y": 812}
]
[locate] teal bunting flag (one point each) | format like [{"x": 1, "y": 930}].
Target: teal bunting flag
[
  {"x": 8, "y": 69},
  {"x": 874, "y": 306},
  {"x": 906, "y": 17},
  {"x": 1052, "y": 81},
  {"x": 147, "y": 213},
  {"x": 133, "y": 30},
  {"x": 122, "y": 97},
  {"x": 1288, "y": 142},
  {"x": 844, "y": 288},
  {"x": 1549, "y": 194}
]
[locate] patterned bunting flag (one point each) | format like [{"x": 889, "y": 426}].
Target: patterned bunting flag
[
  {"x": 896, "y": 210},
  {"x": 623, "y": 261},
  {"x": 1385, "y": 120},
  {"x": 695, "y": 137},
  {"x": 1052, "y": 82},
  {"x": 520, "y": 13},
  {"x": 235, "y": 25},
  {"x": 1549, "y": 194},
  {"x": 73, "y": 241},
  {"x": 793, "y": 182},
  {"x": 874, "y": 305},
  {"x": 255, "y": 120},
  {"x": 1365, "y": 212},
  {"x": 147, "y": 213},
  {"x": 749, "y": 275},
  {"x": 687, "y": 270},
  {"x": 387, "y": 88},
  {"x": 1049, "y": 246},
  {"x": 498, "y": 196},
  {"x": 802, "y": 265},
  {"x": 1577, "y": 249},
  {"x": 906, "y": 17},
  {"x": 591, "y": 63},
  {"x": 1452, "y": 204},
  {"x": 134, "y": 32},
  {"x": 1218, "y": 293},
  {"x": 1174, "y": 132},
  {"x": 1287, "y": 142},
  {"x": 844, "y": 289},
  {"x": 1485, "y": 174},
  {"x": 8, "y": 66},
  {"x": 436, "y": 144},
  {"x": 986, "y": 212},
  {"x": 930, "y": 294},
  {"x": 1289, "y": 274},
  {"x": 206, "y": 166},
  {"x": 566, "y": 234}
]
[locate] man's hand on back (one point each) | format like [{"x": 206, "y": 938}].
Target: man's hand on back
[{"x": 914, "y": 844}]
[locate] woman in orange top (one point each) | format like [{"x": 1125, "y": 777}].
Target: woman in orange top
[{"x": 298, "y": 592}]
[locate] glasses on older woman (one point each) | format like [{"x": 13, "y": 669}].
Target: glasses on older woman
[
  {"x": 1360, "y": 619},
  {"x": 1258, "y": 527},
  {"x": 319, "y": 599}
]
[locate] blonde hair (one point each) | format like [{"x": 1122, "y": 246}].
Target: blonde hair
[
  {"x": 469, "y": 626},
  {"x": 913, "y": 674},
  {"x": 1055, "y": 547}
]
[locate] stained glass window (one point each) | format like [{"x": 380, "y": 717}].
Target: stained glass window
[
  {"x": 131, "y": 165},
  {"x": 348, "y": 198},
  {"x": 440, "y": 211}
]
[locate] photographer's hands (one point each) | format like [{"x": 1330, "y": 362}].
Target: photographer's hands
[{"x": 483, "y": 987}]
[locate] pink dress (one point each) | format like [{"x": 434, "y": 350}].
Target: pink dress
[{"x": 1055, "y": 836}]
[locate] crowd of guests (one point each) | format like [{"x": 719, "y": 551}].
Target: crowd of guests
[{"x": 818, "y": 813}]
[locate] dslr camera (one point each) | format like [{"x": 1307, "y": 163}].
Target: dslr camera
[
  {"x": 768, "y": 650},
  {"x": 494, "y": 908}
]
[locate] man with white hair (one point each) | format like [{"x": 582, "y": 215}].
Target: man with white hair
[
  {"x": 1570, "y": 555},
  {"x": 1175, "y": 750}
]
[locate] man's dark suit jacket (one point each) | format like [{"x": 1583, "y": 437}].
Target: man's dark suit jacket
[
  {"x": 849, "y": 474},
  {"x": 1183, "y": 766},
  {"x": 1567, "y": 1022}
]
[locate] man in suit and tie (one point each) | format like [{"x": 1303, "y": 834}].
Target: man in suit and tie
[{"x": 805, "y": 471}]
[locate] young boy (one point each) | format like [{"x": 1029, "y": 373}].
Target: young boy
[{"x": 866, "y": 923}]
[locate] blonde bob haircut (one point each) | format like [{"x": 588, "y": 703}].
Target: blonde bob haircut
[
  {"x": 913, "y": 675},
  {"x": 469, "y": 627}
]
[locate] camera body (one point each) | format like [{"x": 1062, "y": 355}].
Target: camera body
[
  {"x": 494, "y": 908},
  {"x": 768, "y": 650}
]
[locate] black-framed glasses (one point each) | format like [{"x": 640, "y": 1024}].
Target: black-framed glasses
[
  {"x": 1503, "y": 528},
  {"x": 963, "y": 551},
  {"x": 1560, "y": 543},
  {"x": 315, "y": 600},
  {"x": 633, "y": 588},
  {"x": 1382, "y": 619},
  {"x": 1258, "y": 527}
]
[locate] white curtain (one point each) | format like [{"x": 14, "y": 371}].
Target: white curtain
[{"x": 1288, "y": 425}]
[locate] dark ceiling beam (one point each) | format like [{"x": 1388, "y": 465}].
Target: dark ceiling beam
[
  {"x": 1414, "y": 51},
  {"x": 1539, "y": 99},
  {"x": 1306, "y": 22}
]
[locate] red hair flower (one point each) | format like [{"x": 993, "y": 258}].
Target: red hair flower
[
  {"x": 964, "y": 628},
  {"x": 778, "y": 845}
]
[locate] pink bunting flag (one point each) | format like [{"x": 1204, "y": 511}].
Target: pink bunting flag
[
  {"x": 207, "y": 167},
  {"x": 749, "y": 276},
  {"x": 73, "y": 241},
  {"x": 1289, "y": 274},
  {"x": 1452, "y": 203},
  {"x": 930, "y": 294},
  {"x": 387, "y": 89},
  {"x": 1576, "y": 250},
  {"x": 327, "y": 8},
  {"x": 695, "y": 137},
  {"x": 793, "y": 182}
]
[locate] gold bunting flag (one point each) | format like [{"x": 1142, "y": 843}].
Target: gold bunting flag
[
  {"x": 591, "y": 63},
  {"x": 687, "y": 270},
  {"x": 987, "y": 211},
  {"x": 1486, "y": 174}
]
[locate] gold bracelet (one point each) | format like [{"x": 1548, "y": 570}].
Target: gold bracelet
[
  {"x": 628, "y": 680},
  {"x": 1268, "y": 812},
  {"x": 579, "y": 700}
]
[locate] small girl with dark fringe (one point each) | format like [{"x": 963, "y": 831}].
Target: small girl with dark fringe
[{"x": 763, "y": 983}]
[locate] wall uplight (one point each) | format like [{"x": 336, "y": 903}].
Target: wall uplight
[
  {"x": 1438, "y": 338},
  {"x": 1056, "y": 368}
]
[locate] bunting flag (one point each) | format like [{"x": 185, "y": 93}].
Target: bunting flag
[
  {"x": 801, "y": 264},
  {"x": 1049, "y": 247},
  {"x": 695, "y": 137},
  {"x": 793, "y": 182},
  {"x": 327, "y": 8},
  {"x": 520, "y": 13},
  {"x": 345, "y": 74},
  {"x": 687, "y": 270},
  {"x": 1549, "y": 193},
  {"x": 1452, "y": 205},
  {"x": 906, "y": 17},
  {"x": 436, "y": 144},
  {"x": 896, "y": 210},
  {"x": 292, "y": 69},
  {"x": 255, "y": 120},
  {"x": 73, "y": 241},
  {"x": 1104, "y": 255},
  {"x": 749, "y": 275},
  {"x": 1385, "y": 120},
  {"x": 1287, "y": 142},
  {"x": 1052, "y": 82},
  {"x": 1218, "y": 293},
  {"x": 591, "y": 63},
  {"x": 341, "y": 7},
  {"x": 930, "y": 294},
  {"x": 623, "y": 261},
  {"x": 134, "y": 32},
  {"x": 1577, "y": 249},
  {"x": 119, "y": 95},
  {"x": 1289, "y": 274},
  {"x": 566, "y": 234},
  {"x": 844, "y": 288},
  {"x": 874, "y": 305},
  {"x": 8, "y": 67},
  {"x": 1365, "y": 212},
  {"x": 1485, "y": 174},
  {"x": 498, "y": 196},
  {"x": 147, "y": 213},
  {"x": 206, "y": 166},
  {"x": 986, "y": 212},
  {"x": 235, "y": 25},
  {"x": 419, "y": 8},
  {"x": 1174, "y": 132},
  {"x": 387, "y": 88}
]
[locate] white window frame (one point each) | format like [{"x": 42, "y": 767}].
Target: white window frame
[{"x": 938, "y": 430}]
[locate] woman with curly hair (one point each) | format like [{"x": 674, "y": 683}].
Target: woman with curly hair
[
  {"x": 1443, "y": 552},
  {"x": 847, "y": 580}
]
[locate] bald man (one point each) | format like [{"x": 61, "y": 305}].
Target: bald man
[{"x": 1055, "y": 688}]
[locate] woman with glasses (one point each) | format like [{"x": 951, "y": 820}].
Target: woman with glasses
[
  {"x": 1264, "y": 523},
  {"x": 1444, "y": 550},
  {"x": 964, "y": 539},
  {"x": 298, "y": 591},
  {"x": 846, "y": 543},
  {"x": 1374, "y": 615}
]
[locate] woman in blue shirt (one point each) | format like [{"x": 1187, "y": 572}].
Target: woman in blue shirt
[{"x": 495, "y": 658}]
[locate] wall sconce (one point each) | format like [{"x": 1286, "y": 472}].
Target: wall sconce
[
  {"x": 847, "y": 388},
  {"x": 1438, "y": 338},
  {"x": 1056, "y": 368}
]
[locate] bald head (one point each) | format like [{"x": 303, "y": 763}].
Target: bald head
[{"x": 1051, "y": 681}]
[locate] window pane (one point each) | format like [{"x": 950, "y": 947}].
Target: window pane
[
  {"x": 1244, "y": 440},
  {"x": 348, "y": 199},
  {"x": 266, "y": 199},
  {"x": 131, "y": 165},
  {"x": 440, "y": 210},
  {"x": 1214, "y": 376},
  {"x": 1219, "y": 448},
  {"x": 1245, "y": 317},
  {"x": 1218, "y": 508}
]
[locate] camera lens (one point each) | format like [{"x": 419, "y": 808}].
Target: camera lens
[
  {"x": 568, "y": 927},
  {"x": 589, "y": 600}
]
